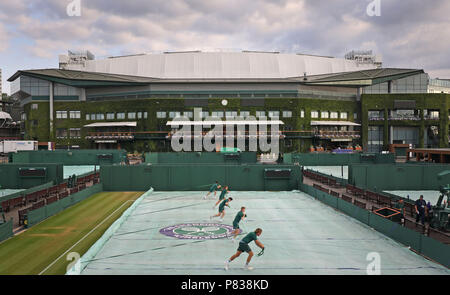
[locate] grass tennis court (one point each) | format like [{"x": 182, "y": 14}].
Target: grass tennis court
[
  {"x": 34, "y": 250},
  {"x": 301, "y": 236}
]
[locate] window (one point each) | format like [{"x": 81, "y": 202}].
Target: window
[
  {"x": 314, "y": 114},
  {"x": 274, "y": 114},
  {"x": 334, "y": 115},
  {"x": 92, "y": 116},
  {"x": 355, "y": 116},
  {"x": 287, "y": 114},
  {"x": 431, "y": 114},
  {"x": 23, "y": 116},
  {"x": 324, "y": 114},
  {"x": 375, "y": 114},
  {"x": 145, "y": 115},
  {"x": 160, "y": 115},
  {"x": 34, "y": 106},
  {"x": 217, "y": 114},
  {"x": 188, "y": 114},
  {"x": 75, "y": 132},
  {"x": 132, "y": 115},
  {"x": 61, "y": 114},
  {"x": 100, "y": 116},
  {"x": 245, "y": 114},
  {"x": 61, "y": 133},
  {"x": 302, "y": 114},
  {"x": 344, "y": 115},
  {"x": 260, "y": 114},
  {"x": 139, "y": 115},
  {"x": 231, "y": 114},
  {"x": 174, "y": 114},
  {"x": 120, "y": 116},
  {"x": 205, "y": 115},
  {"x": 74, "y": 114},
  {"x": 109, "y": 116}
]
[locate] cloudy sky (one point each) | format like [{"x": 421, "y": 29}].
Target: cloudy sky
[{"x": 408, "y": 34}]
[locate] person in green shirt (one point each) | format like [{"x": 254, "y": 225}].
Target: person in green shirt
[
  {"x": 239, "y": 216},
  {"x": 213, "y": 188},
  {"x": 244, "y": 247},
  {"x": 222, "y": 195},
  {"x": 222, "y": 205}
]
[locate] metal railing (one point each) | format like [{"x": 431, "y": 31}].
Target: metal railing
[{"x": 337, "y": 134}]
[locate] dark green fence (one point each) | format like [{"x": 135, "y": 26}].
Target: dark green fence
[
  {"x": 17, "y": 176},
  {"x": 6, "y": 230},
  {"x": 201, "y": 158},
  {"x": 398, "y": 176},
  {"x": 333, "y": 159},
  {"x": 72, "y": 157},
  {"x": 429, "y": 247},
  {"x": 197, "y": 177},
  {"x": 37, "y": 215}
]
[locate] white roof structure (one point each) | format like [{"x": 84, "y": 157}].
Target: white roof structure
[
  {"x": 112, "y": 124},
  {"x": 220, "y": 65},
  {"x": 5, "y": 116},
  {"x": 227, "y": 122},
  {"x": 333, "y": 123}
]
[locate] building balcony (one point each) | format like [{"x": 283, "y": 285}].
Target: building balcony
[
  {"x": 225, "y": 135},
  {"x": 431, "y": 117},
  {"x": 122, "y": 136},
  {"x": 374, "y": 118},
  {"x": 337, "y": 134},
  {"x": 404, "y": 118}
]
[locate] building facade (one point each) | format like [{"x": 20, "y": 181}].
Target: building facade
[{"x": 131, "y": 102}]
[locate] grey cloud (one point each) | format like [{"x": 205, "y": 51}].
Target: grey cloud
[{"x": 408, "y": 33}]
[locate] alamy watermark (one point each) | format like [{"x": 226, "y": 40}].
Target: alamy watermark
[
  {"x": 374, "y": 266},
  {"x": 75, "y": 264},
  {"x": 74, "y": 8},
  {"x": 374, "y": 8},
  {"x": 212, "y": 132}
]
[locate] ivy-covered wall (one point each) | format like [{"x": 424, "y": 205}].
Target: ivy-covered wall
[
  {"x": 41, "y": 132},
  {"x": 424, "y": 101}
]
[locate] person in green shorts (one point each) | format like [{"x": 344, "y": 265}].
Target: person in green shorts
[
  {"x": 239, "y": 216},
  {"x": 213, "y": 188},
  {"x": 222, "y": 208},
  {"x": 244, "y": 247},
  {"x": 222, "y": 195}
]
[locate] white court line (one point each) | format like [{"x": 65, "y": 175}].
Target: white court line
[{"x": 84, "y": 237}]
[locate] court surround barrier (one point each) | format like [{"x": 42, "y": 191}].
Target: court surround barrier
[
  {"x": 37, "y": 215},
  {"x": 19, "y": 176},
  {"x": 394, "y": 177},
  {"x": 334, "y": 159},
  {"x": 426, "y": 246},
  {"x": 197, "y": 177},
  {"x": 81, "y": 264},
  {"x": 201, "y": 158},
  {"x": 6, "y": 230},
  {"x": 27, "y": 191},
  {"x": 71, "y": 157}
]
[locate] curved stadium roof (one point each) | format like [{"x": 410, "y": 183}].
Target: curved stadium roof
[{"x": 220, "y": 65}]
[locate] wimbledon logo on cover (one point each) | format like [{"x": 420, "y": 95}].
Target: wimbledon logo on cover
[{"x": 198, "y": 231}]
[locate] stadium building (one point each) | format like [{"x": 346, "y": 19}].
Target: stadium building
[{"x": 131, "y": 102}]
